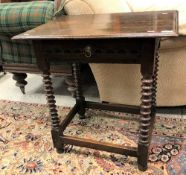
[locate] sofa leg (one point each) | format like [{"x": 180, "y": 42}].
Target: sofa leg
[
  {"x": 20, "y": 80},
  {"x": 71, "y": 85},
  {"x": 1, "y": 69}
]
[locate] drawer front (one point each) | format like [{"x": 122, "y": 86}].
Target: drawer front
[{"x": 93, "y": 51}]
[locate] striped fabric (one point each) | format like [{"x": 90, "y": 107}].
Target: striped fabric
[{"x": 17, "y": 18}]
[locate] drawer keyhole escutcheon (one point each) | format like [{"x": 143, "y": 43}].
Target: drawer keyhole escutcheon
[{"x": 87, "y": 51}]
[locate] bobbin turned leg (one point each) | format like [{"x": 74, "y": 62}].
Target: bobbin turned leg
[
  {"x": 154, "y": 89},
  {"x": 148, "y": 99},
  {"x": 150, "y": 120},
  {"x": 145, "y": 122},
  {"x": 80, "y": 99},
  {"x": 53, "y": 112},
  {"x": 44, "y": 66}
]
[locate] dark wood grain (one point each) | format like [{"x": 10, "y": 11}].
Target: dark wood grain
[
  {"x": 80, "y": 99},
  {"x": 116, "y": 50},
  {"x": 116, "y": 25},
  {"x": 147, "y": 112},
  {"x": 68, "y": 118},
  {"x": 113, "y": 107},
  {"x": 132, "y": 151},
  {"x": 33, "y": 68}
]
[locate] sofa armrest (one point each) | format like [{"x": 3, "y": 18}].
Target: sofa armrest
[
  {"x": 5, "y": 1},
  {"x": 20, "y": 17}
]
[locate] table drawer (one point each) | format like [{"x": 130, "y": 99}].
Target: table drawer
[{"x": 93, "y": 51}]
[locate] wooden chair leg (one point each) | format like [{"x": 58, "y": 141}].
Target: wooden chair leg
[
  {"x": 20, "y": 80},
  {"x": 80, "y": 99}
]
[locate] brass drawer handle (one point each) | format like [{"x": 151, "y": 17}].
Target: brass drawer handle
[{"x": 87, "y": 51}]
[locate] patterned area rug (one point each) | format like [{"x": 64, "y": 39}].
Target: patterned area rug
[{"x": 26, "y": 147}]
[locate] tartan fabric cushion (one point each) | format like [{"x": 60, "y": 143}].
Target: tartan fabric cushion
[
  {"x": 16, "y": 18},
  {"x": 16, "y": 51},
  {"x": 20, "y": 17}
]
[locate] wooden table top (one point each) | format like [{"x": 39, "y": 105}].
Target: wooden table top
[{"x": 116, "y": 25}]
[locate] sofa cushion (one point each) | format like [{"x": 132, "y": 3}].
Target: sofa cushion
[
  {"x": 19, "y": 17},
  {"x": 124, "y": 85},
  {"x": 173, "y": 44},
  {"x": 76, "y": 7},
  {"x": 16, "y": 51},
  {"x": 152, "y": 5},
  {"x": 19, "y": 52}
]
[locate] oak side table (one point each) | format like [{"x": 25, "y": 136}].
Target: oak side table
[{"x": 125, "y": 38}]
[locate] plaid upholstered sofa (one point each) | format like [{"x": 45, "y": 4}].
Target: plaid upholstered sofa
[{"x": 18, "y": 57}]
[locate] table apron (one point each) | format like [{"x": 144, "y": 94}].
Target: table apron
[{"x": 127, "y": 51}]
